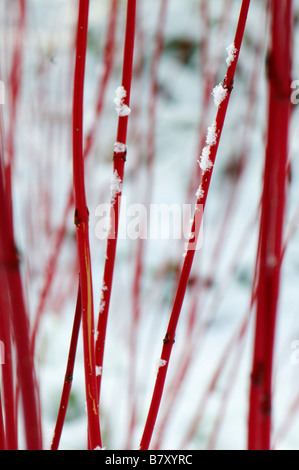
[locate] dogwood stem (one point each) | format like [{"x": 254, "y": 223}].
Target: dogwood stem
[
  {"x": 207, "y": 163},
  {"x": 81, "y": 221}
]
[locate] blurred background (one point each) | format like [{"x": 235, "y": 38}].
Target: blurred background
[{"x": 180, "y": 54}]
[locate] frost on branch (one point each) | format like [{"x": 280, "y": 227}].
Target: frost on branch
[
  {"x": 119, "y": 147},
  {"x": 212, "y": 135},
  {"x": 121, "y": 108},
  {"x": 205, "y": 163},
  {"x": 200, "y": 193},
  {"x": 231, "y": 54},
  {"x": 116, "y": 185},
  {"x": 161, "y": 363},
  {"x": 219, "y": 94},
  {"x": 102, "y": 302}
]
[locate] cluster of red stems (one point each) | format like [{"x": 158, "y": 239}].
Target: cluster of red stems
[{"x": 19, "y": 383}]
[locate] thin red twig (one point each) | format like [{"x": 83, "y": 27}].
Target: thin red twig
[
  {"x": 10, "y": 262},
  {"x": 271, "y": 225},
  {"x": 68, "y": 374},
  {"x": 189, "y": 256},
  {"x": 52, "y": 262},
  {"x": 82, "y": 225},
  {"x": 119, "y": 159}
]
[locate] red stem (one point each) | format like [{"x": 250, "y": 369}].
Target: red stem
[
  {"x": 13, "y": 290},
  {"x": 81, "y": 222},
  {"x": 68, "y": 374},
  {"x": 10, "y": 261},
  {"x": 52, "y": 262},
  {"x": 195, "y": 337},
  {"x": 210, "y": 71},
  {"x": 7, "y": 368},
  {"x": 271, "y": 225},
  {"x": 183, "y": 281},
  {"x": 244, "y": 152},
  {"x": 118, "y": 166},
  {"x": 11, "y": 434}
]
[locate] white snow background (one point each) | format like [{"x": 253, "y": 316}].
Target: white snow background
[{"x": 43, "y": 173}]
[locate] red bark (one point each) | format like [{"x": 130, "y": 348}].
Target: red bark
[
  {"x": 271, "y": 224},
  {"x": 82, "y": 225}
]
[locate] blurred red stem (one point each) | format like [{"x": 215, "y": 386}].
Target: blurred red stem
[{"x": 271, "y": 224}]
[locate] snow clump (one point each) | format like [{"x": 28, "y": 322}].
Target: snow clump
[
  {"x": 119, "y": 147},
  {"x": 205, "y": 163},
  {"x": 219, "y": 94},
  {"x": 212, "y": 135},
  {"x": 116, "y": 185},
  {"x": 121, "y": 108},
  {"x": 199, "y": 192},
  {"x": 232, "y": 52}
]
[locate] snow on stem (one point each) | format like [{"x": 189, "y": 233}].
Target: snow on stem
[
  {"x": 210, "y": 139},
  {"x": 210, "y": 70},
  {"x": 122, "y": 102},
  {"x": 271, "y": 224},
  {"x": 52, "y": 261},
  {"x": 244, "y": 156},
  {"x": 81, "y": 220},
  {"x": 189, "y": 255}
]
